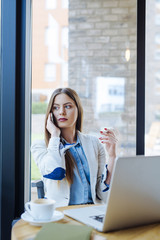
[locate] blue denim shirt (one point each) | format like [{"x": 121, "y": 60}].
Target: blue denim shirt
[{"x": 80, "y": 190}]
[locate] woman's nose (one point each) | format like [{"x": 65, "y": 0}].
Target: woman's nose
[{"x": 62, "y": 110}]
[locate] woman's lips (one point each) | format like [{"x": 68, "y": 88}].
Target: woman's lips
[{"x": 62, "y": 119}]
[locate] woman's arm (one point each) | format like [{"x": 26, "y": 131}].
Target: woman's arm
[
  {"x": 109, "y": 140},
  {"x": 105, "y": 163},
  {"x": 49, "y": 159}
]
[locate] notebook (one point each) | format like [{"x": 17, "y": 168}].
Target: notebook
[
  {"x": 58, "y": 231},
  {"x": 133, "y": 198}
]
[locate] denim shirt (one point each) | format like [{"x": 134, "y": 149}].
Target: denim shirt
[{"x": 80, "y": 190}]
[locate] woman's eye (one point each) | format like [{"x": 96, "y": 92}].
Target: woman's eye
[
  {"x": 67, "y": 106},
  {"x": 55, "y": 108}
]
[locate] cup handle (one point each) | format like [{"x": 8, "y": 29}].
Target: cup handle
[{"x": 27, "y": 207}]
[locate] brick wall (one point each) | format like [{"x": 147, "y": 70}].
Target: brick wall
[{"x": 100, "y": 31}]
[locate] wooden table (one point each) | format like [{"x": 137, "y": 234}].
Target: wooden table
[{"x": 24, "y": 231}]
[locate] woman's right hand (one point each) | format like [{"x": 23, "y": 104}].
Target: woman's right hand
[{"x": 52, "y": 129}]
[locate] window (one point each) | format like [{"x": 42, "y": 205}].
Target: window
[
  {"x": 110, "y": 95},
  {"x": 52, "y": 39},
  {"x": 65, "y": 72},
  {"x": 157, "y": 77},
  {"x": 157, "y": 19},
  {"x": 95, "y": 54},
  {"x": 65, "y": 37},
  {"x": 157, "y": 54},
  {"x": 50, "y": 72},
  {"x": 152, "y": 122},
  {"x": 157, "y": 38},
  {"x": 64, "y": 3},
  {"x": 51, "y": 4}
]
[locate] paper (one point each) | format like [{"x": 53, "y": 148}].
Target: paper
[{"x": 58, "y": 231}]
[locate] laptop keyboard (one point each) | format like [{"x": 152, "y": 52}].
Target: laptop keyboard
[{"x": 98, "y": 218}]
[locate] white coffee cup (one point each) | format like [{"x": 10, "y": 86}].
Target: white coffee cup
[{"x": 41, "y": 209}]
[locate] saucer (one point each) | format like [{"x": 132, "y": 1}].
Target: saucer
[{"x": 28, "y": 218}]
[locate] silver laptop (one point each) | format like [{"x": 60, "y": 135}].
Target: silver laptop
[{"x": 133, "y": 198}]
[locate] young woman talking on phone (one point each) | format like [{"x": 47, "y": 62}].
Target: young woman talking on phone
[{"x": 73, "y": 164}]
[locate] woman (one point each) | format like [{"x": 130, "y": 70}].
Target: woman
[{"x": 73, "y": 165}]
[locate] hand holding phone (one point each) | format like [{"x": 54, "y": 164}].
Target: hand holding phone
[{"x": 51, "y": 126}]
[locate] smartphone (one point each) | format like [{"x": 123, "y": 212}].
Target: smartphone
[{"x": 52, "y": 118}]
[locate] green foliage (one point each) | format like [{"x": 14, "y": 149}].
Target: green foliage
[
  {"x": 35, "y": 173},
  {"x": 39, "y": 107}
]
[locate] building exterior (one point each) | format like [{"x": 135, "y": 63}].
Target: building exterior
[{"x": 49, "y": 47}]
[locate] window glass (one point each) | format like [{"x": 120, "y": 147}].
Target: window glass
[
  {"x": 64, "y": 74},
  {"x": 152, "y": 124},
  {"x": 50, "y": 72},
  {"x": 51, "y": 4},
  {"x": 89, "y": 46},
  {"x": 64, "y": 3}
]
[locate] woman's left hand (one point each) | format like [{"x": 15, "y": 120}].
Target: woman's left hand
[{"x": 109, "y": 140}]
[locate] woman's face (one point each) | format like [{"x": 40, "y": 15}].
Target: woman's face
[{"x": 65, "y": 111}]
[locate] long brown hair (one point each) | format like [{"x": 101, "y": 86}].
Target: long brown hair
[{"x": 69, "y": 160}]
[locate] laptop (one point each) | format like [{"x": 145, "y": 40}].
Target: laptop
[{"x": 133, "y": 198}]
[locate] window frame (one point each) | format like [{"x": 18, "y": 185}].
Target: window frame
[
  {"x": 12, "y": 147},
  {"x": 140, "y": 94}
]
